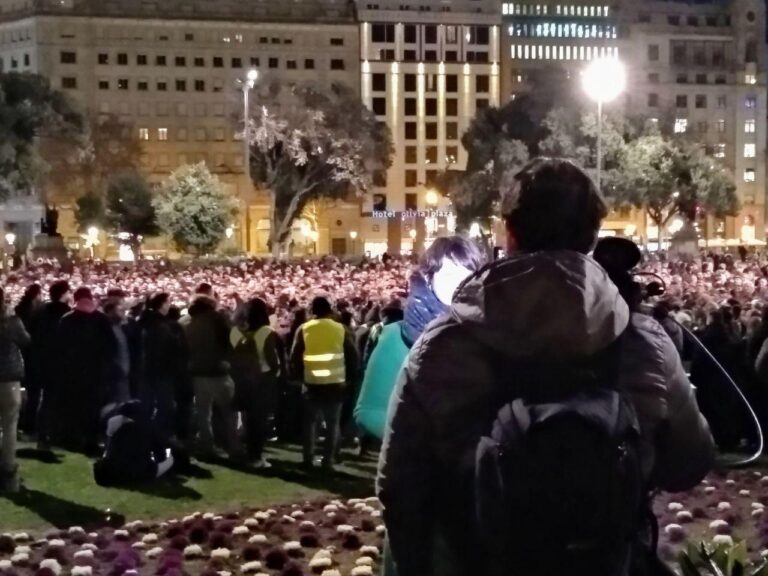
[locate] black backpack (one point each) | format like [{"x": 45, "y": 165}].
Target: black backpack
[{"x": 558, "y": 484}]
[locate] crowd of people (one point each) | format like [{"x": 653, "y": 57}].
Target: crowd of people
[{"x": 140, "y": 364}]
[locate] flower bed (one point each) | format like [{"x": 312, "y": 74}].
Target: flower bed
[{"x": 330, "y": 538}]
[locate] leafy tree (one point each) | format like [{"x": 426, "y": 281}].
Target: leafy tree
[
  {"x": 31, "y": 113},
  {"x": 89, "y": 211},
  {"x": 129, "y": 209},
  {"x": 308, "y": 144},
  {"x": 194, "y": 210}
]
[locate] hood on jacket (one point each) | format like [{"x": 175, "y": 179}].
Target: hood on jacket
[
  {"x": 422, "y": 307},
  {"x": 551, "y": 305},
  {"x": 201, "y": 305}
]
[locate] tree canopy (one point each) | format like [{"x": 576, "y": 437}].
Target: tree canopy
[{"x": 308, "y": 144}]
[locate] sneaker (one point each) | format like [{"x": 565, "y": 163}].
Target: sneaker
[{"x": 262, "y": 464}]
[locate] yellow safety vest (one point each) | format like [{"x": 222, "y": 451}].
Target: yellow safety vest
[{"x": 324, "y": 352}]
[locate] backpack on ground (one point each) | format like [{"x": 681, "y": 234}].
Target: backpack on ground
[
  {"x": 558, "y": 485},
  {"x": 245, "y": 369}
]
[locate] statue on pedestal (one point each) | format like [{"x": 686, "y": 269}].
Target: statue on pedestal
[{"x": 50, "y": 224}]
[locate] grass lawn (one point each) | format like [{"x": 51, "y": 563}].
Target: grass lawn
[{"x": 63, "y": 493}]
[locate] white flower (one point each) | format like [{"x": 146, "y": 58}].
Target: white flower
[
  {"x": 705, "y": 481},
  {"x": 122, "y": 534},
  {"x": 354, "y": 501},
  {"x": 6, "y": 564},
  {"x": 723, "y": 506},
  {"x": 764, "y": 480},
  {"x": 135, "y": 525},
  {"x": 154, "y": 552},
  {"x": 83, "y": 556},
  {"x": 216, "y": 519},
  {"x": 331, "y": 514},
  {"x": 22, "y": 550},
  {"x": 316, "y": 563},
  {"x": 76, "y": 530},
  {"x": 139, "y": 546},
  {"x": 764, "y": 553},
  {"x": 272, "y": 512},
  {"x": 381, "y": 530},
  {"x": 257, "y": 539},
  {"x": 20, "y": 558},
  {"x": 188, "y": 519},
  {"x": 297, "y": 514},
  {"x": 360, "y": 506},
  {"x": 345, "y": 529},
  {"x": 224, "y": 573},
  {"x": 376, "y": 514},
  {"x": 757, "y": 505},
  {"x": 709, "y": 490},
  {"x": 291, "y": 546},
  {"x": 331, "y": 573},
  {"x": 150, "y": 538},
  {"x": 193, "y": 551},
  {"x": 373, "y": 501},
  {"x": 684, "y": 516},
  {"x": 241, "y": 531},
  {"x": 250, "y": 567},
  {"x": 130, "y": 573},
  {"x": 82, "y": 571},
  {"x": 730, "y": 482},
  {"x": 93, "y": 535},
  {"x": 322, "y": 554},
  {"x": 261, "y": 516},
  {"x": 371, "y": 551},
  {"x": 338, "y": 503},
  {"x": 52, "y": 564},
  {"x": 21, "y": 537},
  {"x": 307, "y": 524},
  {"x": 330, "y": 508},
  {"x": 758, "y": 512},
  {"x": 722, "y": 540},
  {"x": 208, "y": 516},
  {"x": 673, "y": 529},
  {"x": 56, "y": 543},
  {"x": 251, "y": 522},
  {"x": 744, "y": 492},
  {"x": 675, "y": 506},
  {"x": 89, "y": 546},
  {"x": 715, "y": 524},
  {"x": 364, "y": 561},
  {"x": 362, "y": 571},
  {"x": 289, "y": 519},
  {"x": 370, "y": 510},
  {"x": 221, "y": 553}
]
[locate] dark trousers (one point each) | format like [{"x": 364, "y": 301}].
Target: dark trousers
[
  {"x": 158, "y": 399},
  {"x": 257, "y": 405},
  {"x": 322, "y": 402}
]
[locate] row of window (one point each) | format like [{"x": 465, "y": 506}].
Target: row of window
[
  {"x": 510, "y": 9},
  {"x": 410, "y": 83},
  {"x": 700, "y": 101},
  {"x": 122, "y": 59},
  {"x": 391, "y": 55},
  {"x": 408, "y": 7},
  {"x": 431, "y": 154},
  {"x": 410, "y": 108},
  {"x": 183, "y": 134},
  {"x": 163, "y": 160},
  {"x": 561, "y": 30},
  {"x": 703, "y": 126},
  {"x": 165, "y": 109},
  {"x": 698, "y": 53},
  {"x": 428, "y": 34},
  {"x": 711, "y": 20},
  {"x": 549, "y": 52},
  {"x": 430, "y": 130}
]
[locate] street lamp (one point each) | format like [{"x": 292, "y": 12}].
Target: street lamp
[
  {"x": 412, "y": 233},
  {"x": 353, "y": 237},
  {"x": 247, "y": 85},
  {"x": 603, "y": 80},
  {"x": 229, "y": 232},
  {"x": 10, "y": 237},
  {"x": 432, "y": 198}
]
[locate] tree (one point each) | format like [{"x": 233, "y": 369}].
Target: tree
[
  {"x": 89, "y": 211},
  {"x": 129, "y": 211},
  {"x": 308, "y": 144},
  {"x": 194, "y": 210},
  {"x": 31, "y": 113}
]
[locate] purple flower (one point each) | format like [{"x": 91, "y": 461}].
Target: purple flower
[
  {"x": 339, "y": 519},
  {"x": 198, "y": 534},
  {"x": 275, "y": 559},
  {"x": 7, "y": 545},
  {"x": 226, "y": 527},
  {"x": 173, "y": 531},
  {"x": 179, "y": 542},
  {"x": 277, "y": 530},
  {"x": 351, "y": 541},
  {"x": 699, "y": 512},
  {"x": 219, "y": 540},
  {"x": 251, "y": 553},
  {"x": 309, "y": 541},
  {"x": 45, "y": 572},
  {"x": 367, "y": 525},
  {"x": 292, "y": 569},
  {"x": 666, "y": 552}
]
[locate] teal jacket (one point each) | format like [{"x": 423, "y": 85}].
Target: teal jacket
[{"x": 380, "y": 378}]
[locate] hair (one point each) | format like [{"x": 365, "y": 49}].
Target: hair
[
  {"x": 158, "y": 300},
  {"x": 58, "y": 289},
  {"x": 552, "y": 204},
  {"x": 118, "y": 293},
  {"x": 321, "y": 307},
  {"x": 346, "y": 318},
  {"x": 204, "y": 288},
  {"x": 83, "y": 293},
  {"x": 111, "y": 305},
  {"x": 32, "y": 291},
  {"x": 3, "y": 307},
  {"x": 460, "y": 250},
  {"x": 174, "y": 313},
  {"x": 257, "y": 314}
]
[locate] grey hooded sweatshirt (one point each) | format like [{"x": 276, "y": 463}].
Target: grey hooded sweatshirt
[{"x": 558, "y": 305}]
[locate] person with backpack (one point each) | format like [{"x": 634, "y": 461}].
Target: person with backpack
[
  {"x": 257, "y": 367},
  {"x": 530, "y": 423}
]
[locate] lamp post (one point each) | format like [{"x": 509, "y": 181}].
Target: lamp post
[
  {"x": 432, "y": 198},
  {"x": 10, "y": 238},
  {"x": 353, "y": 237},
  {"x": 603, "y": 80},
  {"x": 247, "y": 85}
]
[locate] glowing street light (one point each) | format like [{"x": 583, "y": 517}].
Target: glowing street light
[
  {"x": 432, "y": 198},
  {"x": 412, "y": 233},
  {"x": 10, "y": 238},
  {"x": 353, "y": 234},
  {"x": 229, "y": 232},
  {"x": 247, "y": 85},
  {"x": 603, "y": 80}
]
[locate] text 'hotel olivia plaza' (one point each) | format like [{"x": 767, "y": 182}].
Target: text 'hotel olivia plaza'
[{"x": 170, "y": 69}]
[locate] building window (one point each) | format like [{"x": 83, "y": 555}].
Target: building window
[
  {"x": 681, "y": 101},
  {"x": 749, "y": 175},
  {"x": 451, "y": 107},
  {"x": 379, "y": 82},
  {"x": 431, "y": 155},
  {"x": 749, "y": 150},
  {"x": 411, "y": 178},
  {"x": 122, "y": 84},
  {"x": 678, "y": 54},
  {"x": 750, "y": 79},
  {"x": 430, "y": 106},
  {"x": 653, "y": 52},
  {"x": 430, "y": 130},
  {"x": 201, "y": 134},
  {"x": 199, "y": 85},
  {"x": 653, "y": 100},
  {"x": 162, "y": 134},
  {"x": 199, "y": 62},
  {"x": 309, "y": 64},
  {"x": 702, "y": 126},
  {"x": 162, "y": 86},
  {"x": 380, "y": 106},
  {"x": 337, "y": 41},
  {"x": 411, "y": 155},
  {"x": 451, "y": 131},
  {"x": 103, "y": 84},
  {"x": 180, "y": 61},
  {"x": 161, "y": 61},
  {"x": 181, "y": 135},
  {"x": 383, "y": 33},
  {"x": 452, "y": 154},
  {"x": 410, "y": 83},
  {"x": 189, "y": 37},
  {"x": 682, "y": 78},
  {"x": 290, "y": 64},
  {"x": 701, "y": 101},
  {"x": 749, "y": 126},
  {"x": 482, "y": 83},
  {"x": 144, "y": 134},
  {"x": 481, "y": 104},
  {"x": 721, "y": 126},
  {"x": 69, "y": 83},
  {"x": 750, "y": 102},
  {"x": 181, "y": 85},
  {"x": 673, "y": 20},
  {"x": 274, "y": 63},
  {"x": 142, "y": 86},
  {"x": 411, "y": 201},
  {"x": 122, "y": 59},
  {"x": 68, "y": 58},
  {"x": 451, "y": 83},
  {"x": 411, "y": 131},
  {"x": 719, "y": 150},
  {"x": 337, "y": 64},
  {"x": 409, "y": 34},
  {"x": 237, "y": 62},
  {"x": 103, "y": 58},
  {"x": 410, "y": 107},
  {"x": 681, "y": 125},
  {"x": 701, "y": 78},
  {"x": 218, "y": 62},
  {"x": 141, "y": 60}
]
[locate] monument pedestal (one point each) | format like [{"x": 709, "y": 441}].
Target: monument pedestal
[
  {"x": 48, "y": 248},
  {"x": 685, "y": 243}
]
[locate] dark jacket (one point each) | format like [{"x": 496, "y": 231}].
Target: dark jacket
[
  {"x": 88, "y": 350},
  {"x": 161, "y": 348},
  {"x": 208, "y": 343},
  {"x": 13, "y": 339},
  {"x": 556, "y": 306},
  {"x": 46, "y": 345}
]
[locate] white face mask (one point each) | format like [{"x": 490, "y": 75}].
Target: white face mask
[{"x": 447, "y": 279}]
